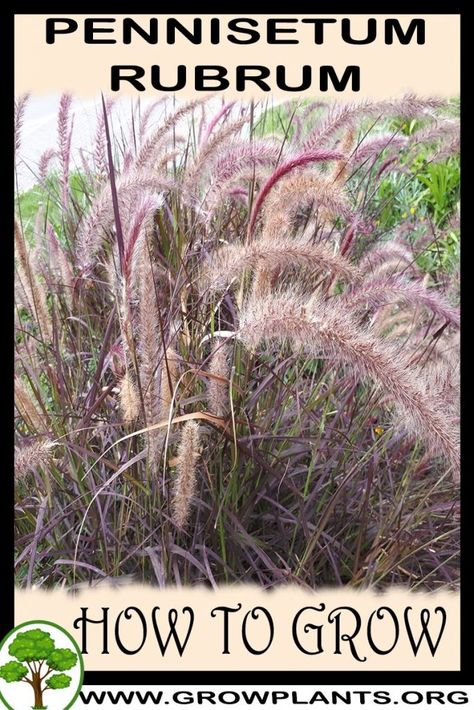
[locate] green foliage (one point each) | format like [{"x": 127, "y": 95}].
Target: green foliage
[
  {"x": 56, "y": 682},
  {"x": 13, "y": 671},
  {"x": 46, "y": 196},
  {"x": 33, "y": 645},
  {"x": 274, "y": 120},
  {"x": 37, "y": 645},
  {"x": 427, "y": 195},
  {"x": 62, "y": 659},
  {"x": 442, "y": 187},
  {"x": 431, "y": 193},
  {"x": 279, "y": 120},
  {"x": 441, "y": 254}
]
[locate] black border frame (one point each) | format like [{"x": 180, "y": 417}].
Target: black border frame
[{"x": 181, "y": 678}]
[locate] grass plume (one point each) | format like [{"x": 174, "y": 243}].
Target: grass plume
[{"x": 184, "y": 486}]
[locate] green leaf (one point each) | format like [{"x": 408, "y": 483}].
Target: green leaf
[
  {"x": 62, "y": 659},
  {"x": 56, "y": 682},
  {"x": 13, "y": 671},
  {"x": 33, "y": 645}
]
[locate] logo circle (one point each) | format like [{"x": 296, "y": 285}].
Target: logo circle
[{"x": 41, "y": 666}]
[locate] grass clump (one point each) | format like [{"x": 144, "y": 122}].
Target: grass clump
[{"x": 237, "y": 348}]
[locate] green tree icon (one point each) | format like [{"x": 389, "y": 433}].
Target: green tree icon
[{"x": 37, "y": 658}]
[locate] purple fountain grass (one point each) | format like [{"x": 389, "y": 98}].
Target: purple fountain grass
[
  {"x": 112, "y": 174},
  {"x": 128, "y": 398},
  {"x": 238, "y": 184},
  {"x": 33, "y": 290},
  {"x": 65, "y": 129},
  {"x": 339, "y": 173},
  {"x": 285, "y": 168},
  {"x": 205, "y": 159},
  {"x": 44, "y": 164},
  {"x": 226, "y": 108},
  {"x": 442, "y": 129},
  {"x": 99, "y": 155},
  {"x": 33, "y": 456},
  {"x": 447, "y": 348},
  {"x": 250, "y": 170},
  {"x": 146, "y": 116},
  {"x": 323, "y": 328},
  {"x": 400, "y": 325},
  {"x": 20, "y": 107},
  {"x": 327, "y": 410},
  {"x": 300, "y": 189},
  {"x": 143, "y": 209},
  {"x": 169, "y": 381},
  {"x": 88, "y": 177},
  {"x": 150, "y": 344},
  {"x": 349, "y": 238},
  {"x": 136, "y": 224},
  {"x": 60, "y": 264},
  {"x": 229, "y": 262},
  {"x": 184, "y": 486},
  {"x": 235, "y": 192},
  {"x": 374, "y": 146},
  {"x": 391, "y": 161},
  {"x": 299, "y": 121},
  {"x": 442, "y": 377},
  {"x": 444, "y": 137},
  {"x": 218, "y": 383},
  {"x": 393, "y": 250},
  {"x": 392, "y": 267},
  {"x": 99, "y": 220},
  {"x": 241, "y": 155},
  {"x": 93, "y": 229},
  {"x": 153, "y": 143},
  {"x": 444, "y": 150},
  {"x": 28, "y": 408},
  {"x": 21, "y": 297},
  {"x": 165, "y": 159},
  {"x": 395, "y": 290},
  {"x": 148, "y": 322},
  {"x": 341, "y": 115}
]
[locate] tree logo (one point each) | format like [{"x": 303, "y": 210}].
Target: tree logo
[{"x": 33, "y": 660}]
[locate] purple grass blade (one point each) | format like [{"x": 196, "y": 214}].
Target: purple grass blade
[{"x": 113, "y": 187}]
